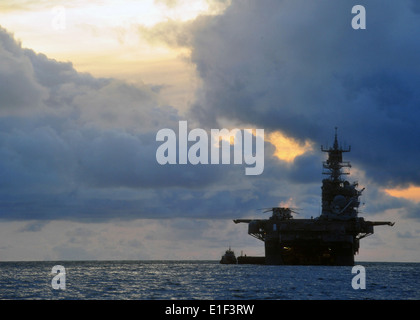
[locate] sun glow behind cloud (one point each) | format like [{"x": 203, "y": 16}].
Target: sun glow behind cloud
[
  {"x": 411, "y": 193},
  {"x": 101, "y": 37},
  {"x": 287, "y": 149},
  {"x": 101, "y": 24}
]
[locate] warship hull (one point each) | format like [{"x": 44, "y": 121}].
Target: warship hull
[
  {"x": 308, "y": 253},
  {"x": 310, "y": 241}
]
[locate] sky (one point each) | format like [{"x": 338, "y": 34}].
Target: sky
[{"x": 86, "y": 86}]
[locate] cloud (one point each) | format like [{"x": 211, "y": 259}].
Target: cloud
[
  {"x": 408, "y": 235},
  {"x": 70, "y": 141},
  {"x": 83, "y": 147},
  {"x": 34, "y": 226},
  {"x": 19, "y": 88},
  {"x": 300, "y": 68}
]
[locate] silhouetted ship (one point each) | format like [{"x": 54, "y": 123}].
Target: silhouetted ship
[
  {"x": 229, "y": 257},
  {"x": 330, "y": 239}
]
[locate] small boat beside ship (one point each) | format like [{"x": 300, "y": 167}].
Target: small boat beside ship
[{"x": 229, "y": 257}]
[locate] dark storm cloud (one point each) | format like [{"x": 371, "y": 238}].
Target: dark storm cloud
[
  {"x": 299, "y": 67},
  {"x": 84, "y": 148},
  {"x": 75, "y": 146}
]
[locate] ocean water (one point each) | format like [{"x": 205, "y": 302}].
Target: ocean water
[{"x": 205, "y": 280}]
